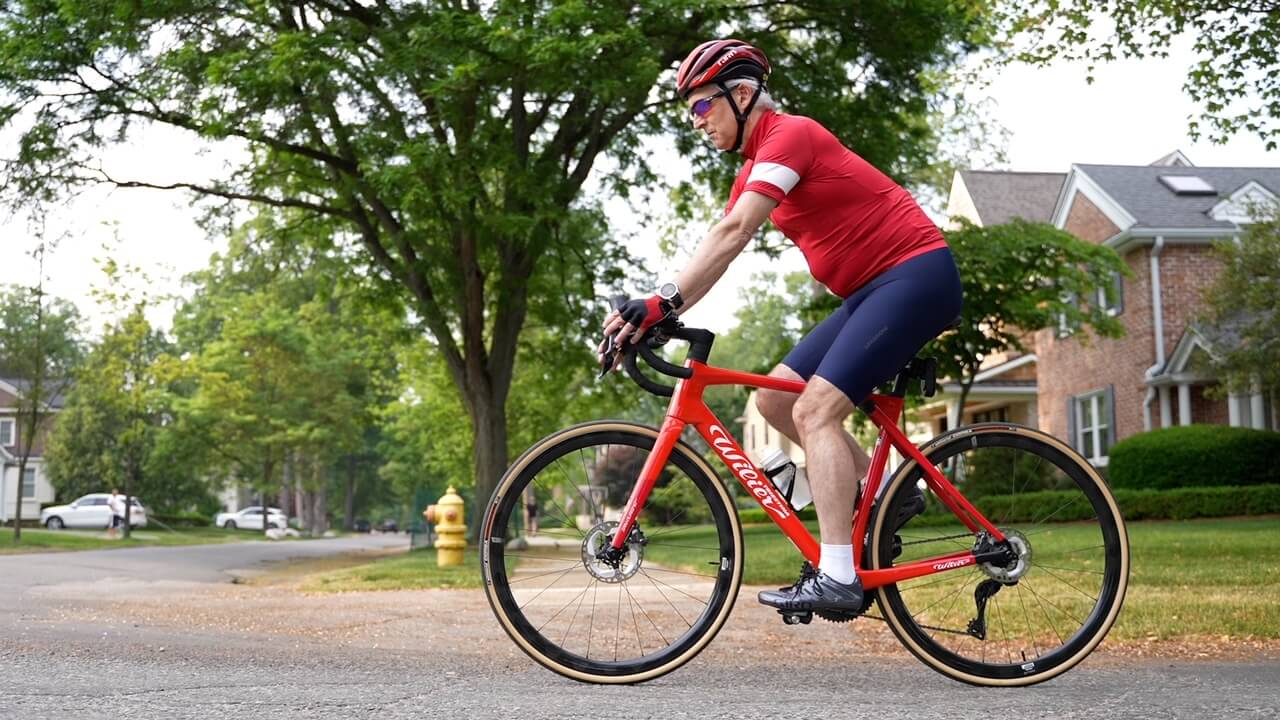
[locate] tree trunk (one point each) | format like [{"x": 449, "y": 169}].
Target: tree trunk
[
  {"x": 489, "y": 423},
  {"x": 266, "y": 483},
  {"x": 348, "y": 519},
  {"x": 17, "y": 510},
  {"x": 965, "y": 386},
  {"x": 286, "y": 489}
]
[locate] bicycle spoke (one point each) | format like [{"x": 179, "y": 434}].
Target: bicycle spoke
[
  {"x": 549, "y": 572},
  {"x": 1074, "y": 570},
  {"x": 1092, "y": 598},
  {"x": 664, "y": 597},
  {"x": 564, "y": 640},
  {"x": 673, "y": 587},
  {"x": 565, "y": 607},
  {"x": 548, "y": 587}
]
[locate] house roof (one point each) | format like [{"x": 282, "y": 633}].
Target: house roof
[
  {"x": 23, "y": 385},
  {"x": 1138, "y": 189},
  {"x": 1001, "y": 196}
]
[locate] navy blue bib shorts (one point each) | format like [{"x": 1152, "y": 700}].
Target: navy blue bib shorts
[{"x": 882, "y": 325}]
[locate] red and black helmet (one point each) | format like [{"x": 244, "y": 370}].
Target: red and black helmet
[{"x": 717, "y": 61}]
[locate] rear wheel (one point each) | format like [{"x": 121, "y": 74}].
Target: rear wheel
[
  {"x": 1030, "y": 618},
  {"x": 621, "y": 619}
]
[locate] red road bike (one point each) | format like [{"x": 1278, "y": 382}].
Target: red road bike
[{"x": 1013, "y": 573}]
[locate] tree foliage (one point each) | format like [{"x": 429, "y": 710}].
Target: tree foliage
[
  {"x": 450, "y": 141},
  {"x": 112, "y": 431},
  {"x": 40, "y": 349},
  {"x": 1236, "y": 75},
  {"x": 1242, "y": 314}
]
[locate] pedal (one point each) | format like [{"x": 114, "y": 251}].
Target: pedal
[{"x": 791, "y": 617}]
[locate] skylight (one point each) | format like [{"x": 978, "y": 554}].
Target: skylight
[{"x": 1187, "y": 185}]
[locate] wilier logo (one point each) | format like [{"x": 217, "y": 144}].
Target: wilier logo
[{"x": 762, "y": 489}]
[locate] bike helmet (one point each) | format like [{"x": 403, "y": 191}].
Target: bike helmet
[{"x": 717, "y": 62}]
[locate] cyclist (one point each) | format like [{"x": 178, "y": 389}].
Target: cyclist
[{"x": 863, "y": 236}]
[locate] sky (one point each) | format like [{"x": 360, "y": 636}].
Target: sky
[{"x": 1134, "y": 113}]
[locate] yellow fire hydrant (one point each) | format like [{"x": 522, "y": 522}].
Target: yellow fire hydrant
[{"x": 451, "y": 529}]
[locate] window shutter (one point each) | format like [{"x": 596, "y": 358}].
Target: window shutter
[
  {"x": 1071, "y": 423},
  {"x": 1111, "y": 417},
  {"x": 1119, "y": 293}
]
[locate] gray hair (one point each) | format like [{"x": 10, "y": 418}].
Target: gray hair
[{"x": 764, "y": 102}]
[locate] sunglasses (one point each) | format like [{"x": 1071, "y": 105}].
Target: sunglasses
[{"x": 703, "y": 106}]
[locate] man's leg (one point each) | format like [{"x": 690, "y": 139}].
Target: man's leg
[
  {"x": 777, "y": 407},
  {"x": 819, "y": 416}
]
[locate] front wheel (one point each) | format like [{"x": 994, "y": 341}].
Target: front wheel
[
  {"x": 229, "y": 525},
  {"x": 54, "y": 523},
  {"x": 621, "y": 619},
  {"x": 1041, "y": 611}
]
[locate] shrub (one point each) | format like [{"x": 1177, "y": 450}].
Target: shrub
[
  {"x": 181, "y": 519},
  {"x": 1179, "y": 504},
  {"x": 1196, "y": 456}
]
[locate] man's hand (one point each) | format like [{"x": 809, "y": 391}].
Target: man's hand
[{"x": 631, "y": 320}]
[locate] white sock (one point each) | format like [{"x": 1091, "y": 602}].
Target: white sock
[{"x": 836, "y": 562}]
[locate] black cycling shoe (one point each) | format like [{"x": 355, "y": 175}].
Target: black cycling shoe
[
  {"x": 813, "y": 592},
  {"x": 911, "y": 507}
]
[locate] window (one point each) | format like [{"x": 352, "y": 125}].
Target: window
[
  {"x": 1065, "y": 325},
  {"x": 29, "y": 483},
  {"x": 1093, "y": 424},
  {"x": 7, "y": 435},
  {"x": 1111, "y": 299},
  {"x": 996, "y": 415}
]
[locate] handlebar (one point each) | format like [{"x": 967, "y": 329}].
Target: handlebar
[{"x": 670, "y": 328}]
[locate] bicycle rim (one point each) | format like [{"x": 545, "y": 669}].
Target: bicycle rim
[
  {"x": 1035, "y": 618},
  {"x": 593, "y": 620}
]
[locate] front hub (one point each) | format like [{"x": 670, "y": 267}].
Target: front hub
[{"x": 606, "y": 566}]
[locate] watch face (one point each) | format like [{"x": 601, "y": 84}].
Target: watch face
[{"x": 668, "y": 290}]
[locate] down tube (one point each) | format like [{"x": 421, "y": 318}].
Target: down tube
[{"x": 758, "y": 486}]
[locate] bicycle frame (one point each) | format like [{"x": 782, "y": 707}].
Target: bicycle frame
[{"x": 688, "y": 408}]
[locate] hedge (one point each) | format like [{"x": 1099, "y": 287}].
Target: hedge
[
  {"x": 181, "y": 519},
  {"x": 1179, "y": 504},
  {"x": 1195, "y": 456}
]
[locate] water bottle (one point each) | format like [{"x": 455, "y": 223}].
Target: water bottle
[{"x": 787, "y": 478}]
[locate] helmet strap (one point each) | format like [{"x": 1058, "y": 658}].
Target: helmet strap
[{"x": 741, "y": 115}]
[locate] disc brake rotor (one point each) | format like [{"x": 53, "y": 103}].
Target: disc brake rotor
[
  {"x": 598, "y": 538},
  {"x": 1011, "y": 574}
]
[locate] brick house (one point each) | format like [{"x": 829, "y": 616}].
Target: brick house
[
  {"x": 36, "y": 490},
  {"x": 1161, "y": 219}
]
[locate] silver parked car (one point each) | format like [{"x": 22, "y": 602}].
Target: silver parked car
[
  {"x": 90, "y": 511},
  {"x": 250, "y": 518}
]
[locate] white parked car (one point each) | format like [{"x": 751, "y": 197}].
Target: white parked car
[
  {"x": 250, "y": 518},
  {"x": 90, "y": 511}
]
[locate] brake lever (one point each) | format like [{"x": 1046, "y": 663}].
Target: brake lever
[{"x": 610, "y": 355}]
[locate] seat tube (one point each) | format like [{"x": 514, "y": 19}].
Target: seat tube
[{"x": 668, "y": 436}]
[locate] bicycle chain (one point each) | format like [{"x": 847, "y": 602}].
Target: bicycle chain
[{"x": 929, "y": 627}]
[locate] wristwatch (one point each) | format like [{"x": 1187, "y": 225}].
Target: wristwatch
[{"x": 670, "y": 292}]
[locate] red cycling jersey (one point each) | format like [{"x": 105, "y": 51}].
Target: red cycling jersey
[{"x": 850, "y": 221}]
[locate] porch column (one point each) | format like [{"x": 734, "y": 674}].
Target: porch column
[
  {"x": 1256, "y": 419},
  {"x": 1166, "y": 407},
  {"x": 1184, "y": 404},
  {"x": 1233, "y": 410}
]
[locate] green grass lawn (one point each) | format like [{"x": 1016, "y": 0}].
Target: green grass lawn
[
  {"x": 1217, "y": 577},
  {"x": 1196, "y": 577},
  {"x": 34, "y": 540},
  {"x": 412, "y": 571}
]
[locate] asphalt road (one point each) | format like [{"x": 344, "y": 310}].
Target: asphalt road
[{"x": 160, "y": 633}]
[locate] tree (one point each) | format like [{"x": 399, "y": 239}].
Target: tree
[
  {"x": 1242, "y": 317},
  {"x": 451, "y": 141},
  {"x": 1235, "y": 79},
  {"x": 39, "y": 346},
  {"x": 1020, "y": 277},
  {"x": 108, "y": 431}
]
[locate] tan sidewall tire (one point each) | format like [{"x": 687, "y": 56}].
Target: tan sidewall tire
[
  {"x": 895, "y": 623},
  {"x": 514, "y": 472}
]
